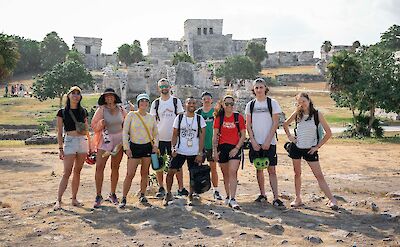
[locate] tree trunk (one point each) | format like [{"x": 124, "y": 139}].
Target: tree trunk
[
  {"x": 371, "y": 118},
  {"x": 60, "y": 97},
  {"x": 356, "y": 125}
]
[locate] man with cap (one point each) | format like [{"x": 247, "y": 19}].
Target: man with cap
[
  {"x": 262, "y": 118},
  {"x": 207, "y": 112},
  {"x": 165, "y": 109}
]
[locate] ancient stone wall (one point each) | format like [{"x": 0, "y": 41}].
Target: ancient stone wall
[
  {"x": 161, "y": 49},
  {"x": 283, "y": 58},
  {"x": 299, "y": 78}
]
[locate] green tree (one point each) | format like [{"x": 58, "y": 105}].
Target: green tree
[
  {"x": 9, "y": 55},
  {"x": 74, "y": 55},
  {"x": 391, "y": 38},
  {"x": 53, "y": 50},
  {"x": 256, "y": 52},
  {"x": 237, "y": 67},
  {"x": 129, "y": 54},
  {"x": 30, "y": 55},
  {"x": 56, "y": 82},
  {"x": 356, "y": 44},
  {"x": 136, "y": 52},
  {"x": 181, "y": 57}
]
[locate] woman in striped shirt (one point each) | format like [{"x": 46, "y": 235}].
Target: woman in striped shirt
[
  {"x": 140, "y": 140},
  {"x": 305, "y": 144}
]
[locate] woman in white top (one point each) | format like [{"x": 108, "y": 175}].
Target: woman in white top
[{"x": 305, "y": 144}]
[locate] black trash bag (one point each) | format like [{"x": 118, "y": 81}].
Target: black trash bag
[{"x": 200, "y": 178}]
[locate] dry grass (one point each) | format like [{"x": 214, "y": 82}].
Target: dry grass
[{"x": 272, "y": 72}]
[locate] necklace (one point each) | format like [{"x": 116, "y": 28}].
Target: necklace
[{"x": 190, "y": 135}]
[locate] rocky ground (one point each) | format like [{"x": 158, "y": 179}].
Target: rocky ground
[{"x": 364, "y": 177}]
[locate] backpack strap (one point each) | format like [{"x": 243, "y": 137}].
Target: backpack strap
[
  {"x": 175, "y": 101},
  {"x": 199, "y": 111},
  {"x": 198, "y": 125},
  {"x": 156, "y": 105},
  {"x": 252, "y": 103},
  {"x": 236, "y": 119},
  {"x": 316, "y": 121},
  {"x": 221, "y": 121},
  {"x": 269, "y": 104},
  {"x": 180, "y": 117}
]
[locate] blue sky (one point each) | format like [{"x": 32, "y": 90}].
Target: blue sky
[{"x": 288, "y": 25}]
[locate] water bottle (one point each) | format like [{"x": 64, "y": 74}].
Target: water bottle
[{"x": 154, "y": 161}]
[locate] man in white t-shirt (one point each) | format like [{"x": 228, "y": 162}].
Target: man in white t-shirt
[
  {"x": 262, "y": 118},
  {"x": 165, "y": 109},
  {"x": 187, "y": 145}
]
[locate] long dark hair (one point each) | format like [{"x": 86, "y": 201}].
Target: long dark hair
[
  {"x": 300, "y": 113},
  {"x": 68, "y": 104}
]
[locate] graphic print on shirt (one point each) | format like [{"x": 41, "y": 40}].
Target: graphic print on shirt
[
  {"x": 260, "y": 109},
  {"x": 168, "y": 113},
  {"x": 229, "y": 125}
]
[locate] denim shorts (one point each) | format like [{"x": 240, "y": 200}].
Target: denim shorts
[{"x": 75, "y": 145}]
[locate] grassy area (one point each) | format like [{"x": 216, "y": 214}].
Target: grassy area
[
  {"x": 11, "y": 143},
  {"x": 272, "y": 72},
  {"x": 390, "y": 137},
  {"x": 19, "y": 111}
]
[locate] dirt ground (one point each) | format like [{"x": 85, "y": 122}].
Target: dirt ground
[{"x": 360, "y": 175}]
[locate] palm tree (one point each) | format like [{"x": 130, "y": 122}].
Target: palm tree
[{"x": 327, "y": 47}]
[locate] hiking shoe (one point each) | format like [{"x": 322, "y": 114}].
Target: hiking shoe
[
  {"x": 142, "y": 198},
  {"x": 278, "y": 204},
  {"x": 233, "y": 204},
  {"x": 183, "y": 192},
  {"x": 161, "y": 192},
  {"x": 113, "y": 198},
  {"x": 97, "y": 201},
  {"x": 190, "y": 197},
  {"x": 226, "y": 202},
  {"x": 261, "y": 198},
  {"x": 168, "y": 198},
  {"x": 123, "y": 203},
  {"x": 217, "y": 196}
]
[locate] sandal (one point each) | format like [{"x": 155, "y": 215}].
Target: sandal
[
  {"x": 295, "y": 204},
  {"x": 278, "y": 204},
  {"x": 76, "y": 203},
  {"x": 332, "y": 205},
  {"x": 57, "y": 205}
]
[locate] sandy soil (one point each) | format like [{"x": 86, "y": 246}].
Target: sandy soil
[{"x": 358, "y": 174}]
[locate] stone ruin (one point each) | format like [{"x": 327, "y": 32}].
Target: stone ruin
[
  {"x": 284, "y": 58},
  {"x": 202, "y": 40},
  {"x": 90, "y": 48}
]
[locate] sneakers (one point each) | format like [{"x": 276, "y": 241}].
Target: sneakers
[
  {"x": 217, "y": 196},
  {"x": 161, "y": 192},
  {"x": 190, "y": 197},
  {"x": 226, "y": 202},
  {"x": 261, "y": 198},
  {"x": 123, "y": 203},
  {"x": 142, "y": 198},
  {"x": 278, "y": 204},
  {"x": 168, "y": 198},
  {"x": 113, "y": 198},
  {"x": 183, "y": 192},
  {"x": 97, "y": 201},
  {"x": 233, "y": 204}
]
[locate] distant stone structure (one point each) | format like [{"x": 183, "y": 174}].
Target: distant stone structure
[
  {"x": 284, "y": 58},
  {"x": 203, "y": 40},
  {"x": 91, "y": 49},
  {"x": 327, "y": 56}
]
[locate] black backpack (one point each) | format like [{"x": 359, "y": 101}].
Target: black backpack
[
  {"x": 157, "y": 105},
  {"x": 200, "y": 179},
  {"x": 180, "y": 117},
  {"x": 236, "y": 119}
]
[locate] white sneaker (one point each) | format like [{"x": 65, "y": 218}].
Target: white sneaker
[
  {"x": 233, "y": 204},
  {"x": 227, "y": 201}
]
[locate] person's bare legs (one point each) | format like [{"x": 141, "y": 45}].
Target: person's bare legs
[
  {"x": 214, "y": 174},
  {"x": 316, "y": 169},
  {"x": 160, "y": 178},
  {"x": 99, "y": 175},
  {"x": 225, "y": 174},
  {"x": 79, "y": 161},
  {"x": 179, "y": 177},
  {"x": 233, "y": 166},
  {"x": 115, "y": 164},
  {"x": 68, "y": 165},
  {"x": 297, "y": 182},
  {"x": 132, "y": 165},
  {"x": 261, "y": 181},
  {"x": 273, "y": 181},
  {"x": 144, "y": 174}
]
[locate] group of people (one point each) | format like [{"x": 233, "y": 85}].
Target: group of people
[{"x": 186, "y": 134}]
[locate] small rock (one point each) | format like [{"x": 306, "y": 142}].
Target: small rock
[
  {"x": 284, "y": 241},
  {"x": 387, "y": 240},
  {"x": 310, "y": 225},
  {"x": 394, "y": 194},
  {"x": 340, "y": 198},
  {"x": 374, "y": 207},
  {"x": 276, "y": 229},
  {"x": 242, "y": 234},
  {"x": 339, "y": 241},
  {"x": 314, "y": 240},
  {"x": 257, "y": 236},
  {"x": 286, "y": 196}
]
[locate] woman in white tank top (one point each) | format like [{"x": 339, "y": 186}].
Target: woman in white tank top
[{"x": 305, "y": 144}]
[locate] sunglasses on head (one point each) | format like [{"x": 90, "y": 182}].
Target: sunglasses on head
[
  {"x": 229, "y": 103},
  {"x": 164, "y": 86}
]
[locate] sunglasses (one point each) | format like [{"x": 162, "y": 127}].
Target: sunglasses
[
  {"x": 229, "y": 103},
  {"x": 164, "y": 86},
  {"x": 76, "y": 94}
]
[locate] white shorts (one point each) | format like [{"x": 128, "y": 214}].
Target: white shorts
[{"x": 75, "y": 144}]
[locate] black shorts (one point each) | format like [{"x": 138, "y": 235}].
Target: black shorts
[
  {"x": 270, "y": 154},
  {"x": 165, "y": 147},
  {"x": 209, "y": 156},
  {"x": 141, "y": 150},
  {"x": 298, "y": 153},
  {"x": 224, "y": 149},
  {"x": 178, "y": 161}
]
